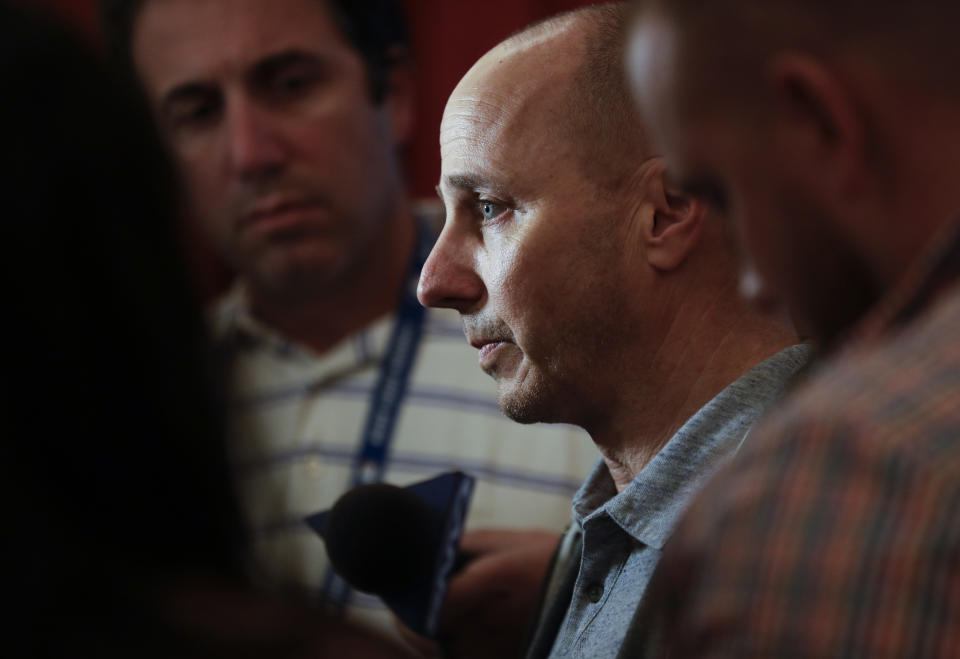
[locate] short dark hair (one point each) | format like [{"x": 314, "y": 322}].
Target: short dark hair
[{"x": 376, "y": 29}]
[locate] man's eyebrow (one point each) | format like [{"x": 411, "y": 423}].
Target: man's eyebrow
[
  {"x": 470, "y": 183},
  {"x": 274, "y": 62},
  {"x": 260, "y": 69},
  {"x": 185, "y": 91}
]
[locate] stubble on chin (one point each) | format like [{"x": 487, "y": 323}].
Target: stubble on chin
[{"x": 523, "y": 397}]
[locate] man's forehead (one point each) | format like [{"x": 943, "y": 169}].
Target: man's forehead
[
  {"x": 479, "y": 115},
  {"x": 505, "y": 111},
  {"x": 181, "y": 40},
  {"x": 493, "y": 147},
  {"x": 518, "y": 74}
]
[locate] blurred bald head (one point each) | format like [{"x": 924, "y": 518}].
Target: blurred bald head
[
  {"x": 826, "y": 130},
  {"x": 913, "y": 38}
]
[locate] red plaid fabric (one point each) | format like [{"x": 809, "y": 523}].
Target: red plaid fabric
[{"x": 836, "y": 531}]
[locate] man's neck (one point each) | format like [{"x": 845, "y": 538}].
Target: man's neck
[
  {"x": 323, "y": 316},
  {"x": 689, "y": 371}
]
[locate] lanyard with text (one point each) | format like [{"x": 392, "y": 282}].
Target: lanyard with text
[{"x": 371, "y": 460}]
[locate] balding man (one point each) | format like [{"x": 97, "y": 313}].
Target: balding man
[
  {"x": 596, "y": 295},
  {"x": 830, "y": 133}
]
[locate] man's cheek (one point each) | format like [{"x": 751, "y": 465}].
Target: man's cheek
[{"x": 500, "y": 271}]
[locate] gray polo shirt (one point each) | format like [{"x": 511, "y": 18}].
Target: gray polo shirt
[{"x": 623, "y": 534}]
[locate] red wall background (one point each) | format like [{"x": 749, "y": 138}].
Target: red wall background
[{"x": 448, "y": 37}]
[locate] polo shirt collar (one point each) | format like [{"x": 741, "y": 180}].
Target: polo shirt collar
[{"x": 649, "y": 508}]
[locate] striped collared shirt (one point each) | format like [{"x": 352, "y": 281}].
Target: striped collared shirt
[{"x": 296, "y": 418}]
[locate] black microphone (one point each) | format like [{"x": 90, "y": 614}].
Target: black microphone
[
  {"x": 400, "y": 543},
  {"x": 379, "y": 538}
]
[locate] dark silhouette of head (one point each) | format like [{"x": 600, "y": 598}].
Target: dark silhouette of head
[{"x": 114, "y": 468}]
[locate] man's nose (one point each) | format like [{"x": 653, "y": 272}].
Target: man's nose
[
  {"x": 256, "y": 149},
  {"x": 449, "y": 277}
]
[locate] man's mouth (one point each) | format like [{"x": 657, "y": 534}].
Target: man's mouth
[
  {"x": 487, "y": 349},
  {"x": 277, "y": 211}
]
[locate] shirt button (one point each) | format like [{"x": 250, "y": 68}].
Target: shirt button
[{"x": 595, "y": 592}]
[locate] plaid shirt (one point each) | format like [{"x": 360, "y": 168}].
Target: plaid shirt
[{"x": 836, "y": 532}]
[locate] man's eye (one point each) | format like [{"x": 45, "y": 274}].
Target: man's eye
[
  {"x": 491, "y": 210},
  {"x": 289, "y": 82},
  {"x": 192, "y": 114},
  {"x": 293, "y": 84}
]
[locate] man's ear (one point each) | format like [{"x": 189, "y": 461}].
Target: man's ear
[
  {"x": 672, "y": 230},
  {"x": 825, "y": 131},
  {"x": 400, "y": 95}
]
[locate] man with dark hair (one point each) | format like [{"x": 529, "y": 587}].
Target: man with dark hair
[
  {"x": 829, "y": 134},
  {"x": 286, "y": 118},
  {"x": 597, "y": 296}
]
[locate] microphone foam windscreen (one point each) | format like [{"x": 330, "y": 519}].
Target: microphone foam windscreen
[{"x": 381, "y": 538}]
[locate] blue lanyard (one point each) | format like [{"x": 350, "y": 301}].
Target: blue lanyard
[{"x": 392, "y": 382}]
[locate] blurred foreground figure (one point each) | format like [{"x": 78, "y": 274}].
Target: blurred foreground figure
[
  {"x": 597, "y": 296},
  {"x": 829, "y": 133},
  {"x": 121, "y": 536},
  {"x": 287, "y": 118}
]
